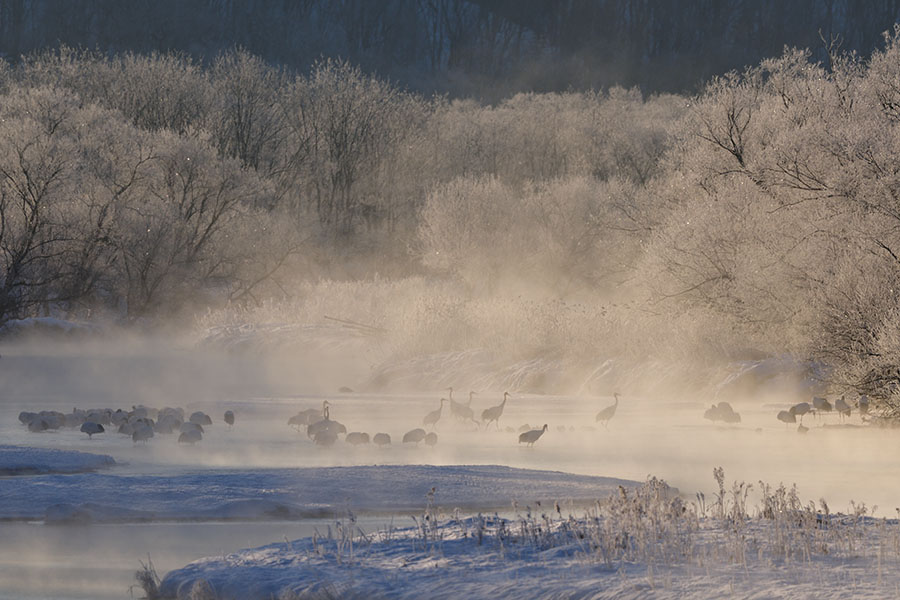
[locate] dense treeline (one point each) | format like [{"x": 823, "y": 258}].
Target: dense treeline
[
  {"x": 486, "y": 48},
  {"x": 132, "y": 183},
  {"x": 760, "y": 215}
]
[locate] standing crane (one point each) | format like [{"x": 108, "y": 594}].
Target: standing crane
[
  {"x": 434, "y": 416},
  {"x": 530, "y": 437},
  {"x": 495, "y": 412},
  {"x": 605, "y": 415}
]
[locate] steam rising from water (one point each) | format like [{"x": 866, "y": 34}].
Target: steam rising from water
[
  {"x": 662, "y": 435},
  {"x": 659, "y": 435}
]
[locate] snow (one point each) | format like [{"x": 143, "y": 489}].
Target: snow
[
  {"x": 286, "y": 493},
  {"x": 558, "y": 556},
  {"x": 17, "y": 460}
]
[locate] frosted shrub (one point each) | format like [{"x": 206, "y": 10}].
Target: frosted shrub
[{"x": 148, "y": 580}]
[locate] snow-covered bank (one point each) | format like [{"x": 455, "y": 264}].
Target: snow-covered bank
[
  {"x": 638, "y": 543},
  {"x": 288, "y": 493},
  {"x": 21, "y": 460}
]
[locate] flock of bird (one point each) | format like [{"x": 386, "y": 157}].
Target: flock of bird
[
  {"x": 722, "y": 412},
  {"x": 324, "y": 431},
  {"x": 141, "y": 422},
  {"x": 820, "y": 407}
]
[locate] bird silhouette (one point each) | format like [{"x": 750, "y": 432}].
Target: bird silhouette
[
  {"x": 800, "y": 409},
  {"x": 434, "y": 416},
  {"x": 191, "y": 437},
  {"x": 457, "y": 409},
  {"x": 200, "y": 418},
  {"x": 142, "y": 433},
  {"x": 494, "y": 413},
  {"x": 822, "y": 405},
  {"x": 415, "y": 436},
  {"x": 90, "y": 428},
  {"x": 863, "y": 405},
  {"x": 356, "y": 438},
  {"x": 530, "y": 437},
  {"x": 229, "y": 418},
  {"x": 382, "y": 439},
  {"x": 326, "y": 424},
  {"x": 786, "y": 417},
  {"x": 605, "y": 415},
  {"x": 307, "y": 417},
  {"x": 842, "y": 408}
]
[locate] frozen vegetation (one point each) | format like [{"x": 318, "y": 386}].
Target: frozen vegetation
[{"x": 638, "y": 542}]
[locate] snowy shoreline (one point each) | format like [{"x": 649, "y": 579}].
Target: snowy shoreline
[
  {"x": 637, "y": 543},
  {"x": 18, "y": 461},
  {"x": 280, "y": 494}
]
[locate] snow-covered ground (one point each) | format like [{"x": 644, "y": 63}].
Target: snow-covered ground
[
  {"x": 17, "y": 460},
  {"x": 537, "y": 557},
  {"x": 313, "y": 492}
]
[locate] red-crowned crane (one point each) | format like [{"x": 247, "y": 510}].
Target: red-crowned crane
[
  {"x": 494, "y": 413},
  {"x": 530, "y": 437}
]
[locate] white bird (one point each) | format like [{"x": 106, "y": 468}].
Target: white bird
[
  {"x": 90, "y": 428},
  {"x": 530, "y": 437},
  {"x": 494, "y": 413},
  {"x": 434, "y": 416},
  {"x": 415, "y": 436},
  {"x": 609, "y": 412},
  {"x": 382, "y": 439}
]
